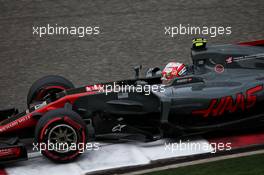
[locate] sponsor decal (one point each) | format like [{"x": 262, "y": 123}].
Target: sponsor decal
[
  {"x": 122, "y": 95},
  {"x": 40, "y": 105},
  {"x": 229, "y": 60},
  {"x": 118, "y": 128},
  {"x": 96, "y": 87},
  {"x": 219, "y": 68},
  {"x": 5, "y": 152},
  {"x": 15, "y": 123},
  {"x": 201, "y": 62},
  {"x": 184, "y": 80},
  {"x": 218, "y": 107}
]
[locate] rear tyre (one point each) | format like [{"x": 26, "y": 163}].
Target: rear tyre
[
  {"x": 62, "y": 134},
  {"x": 46, "y": 87}
]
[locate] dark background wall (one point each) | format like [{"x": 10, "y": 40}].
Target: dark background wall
[{"x": 132, "y": 32}]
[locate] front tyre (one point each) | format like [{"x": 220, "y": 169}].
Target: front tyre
[
  {"x": 61, "y": 135},
  {"x": 46, "y": 87}
]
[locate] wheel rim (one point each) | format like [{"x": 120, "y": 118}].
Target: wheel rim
[{"x": 62, "y": 136}]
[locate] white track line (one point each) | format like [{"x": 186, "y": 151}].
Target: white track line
[
  {"x": 110, "y": 156},
  {"x": 207, "y": 160}
]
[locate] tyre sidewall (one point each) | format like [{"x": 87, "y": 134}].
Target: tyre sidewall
[{"x": 54, "y": 118}]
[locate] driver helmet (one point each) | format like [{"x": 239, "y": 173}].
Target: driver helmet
[{"x": 173, "y": 70}]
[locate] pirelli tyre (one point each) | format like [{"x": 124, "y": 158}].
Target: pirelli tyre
[
  {"x": 45, "y": 87},
  {"x": 61, "y": 135}
]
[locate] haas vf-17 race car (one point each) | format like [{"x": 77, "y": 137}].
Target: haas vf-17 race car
[{"x": 222, "y": 90}]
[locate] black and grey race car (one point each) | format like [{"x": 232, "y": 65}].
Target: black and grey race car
[{"x": 223, "y": 90}]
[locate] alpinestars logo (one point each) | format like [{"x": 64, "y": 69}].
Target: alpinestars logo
[
  {"x": 118, "y": 128},
  {"x": 241, "y": 102}
]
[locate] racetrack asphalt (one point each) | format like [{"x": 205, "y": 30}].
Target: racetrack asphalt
[{"x": 132, "y": 33}]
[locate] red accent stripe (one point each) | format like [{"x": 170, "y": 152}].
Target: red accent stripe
[
  {"x": 3, "y": 172},
  {"x": 240, "y": 141},
  {"x": 253, "y": 43}
]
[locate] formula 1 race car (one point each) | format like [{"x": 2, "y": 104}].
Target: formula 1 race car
[{"x": 222, "y": 91}]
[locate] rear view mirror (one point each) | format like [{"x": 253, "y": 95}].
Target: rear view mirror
[{"x": 137, "y": 71}]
